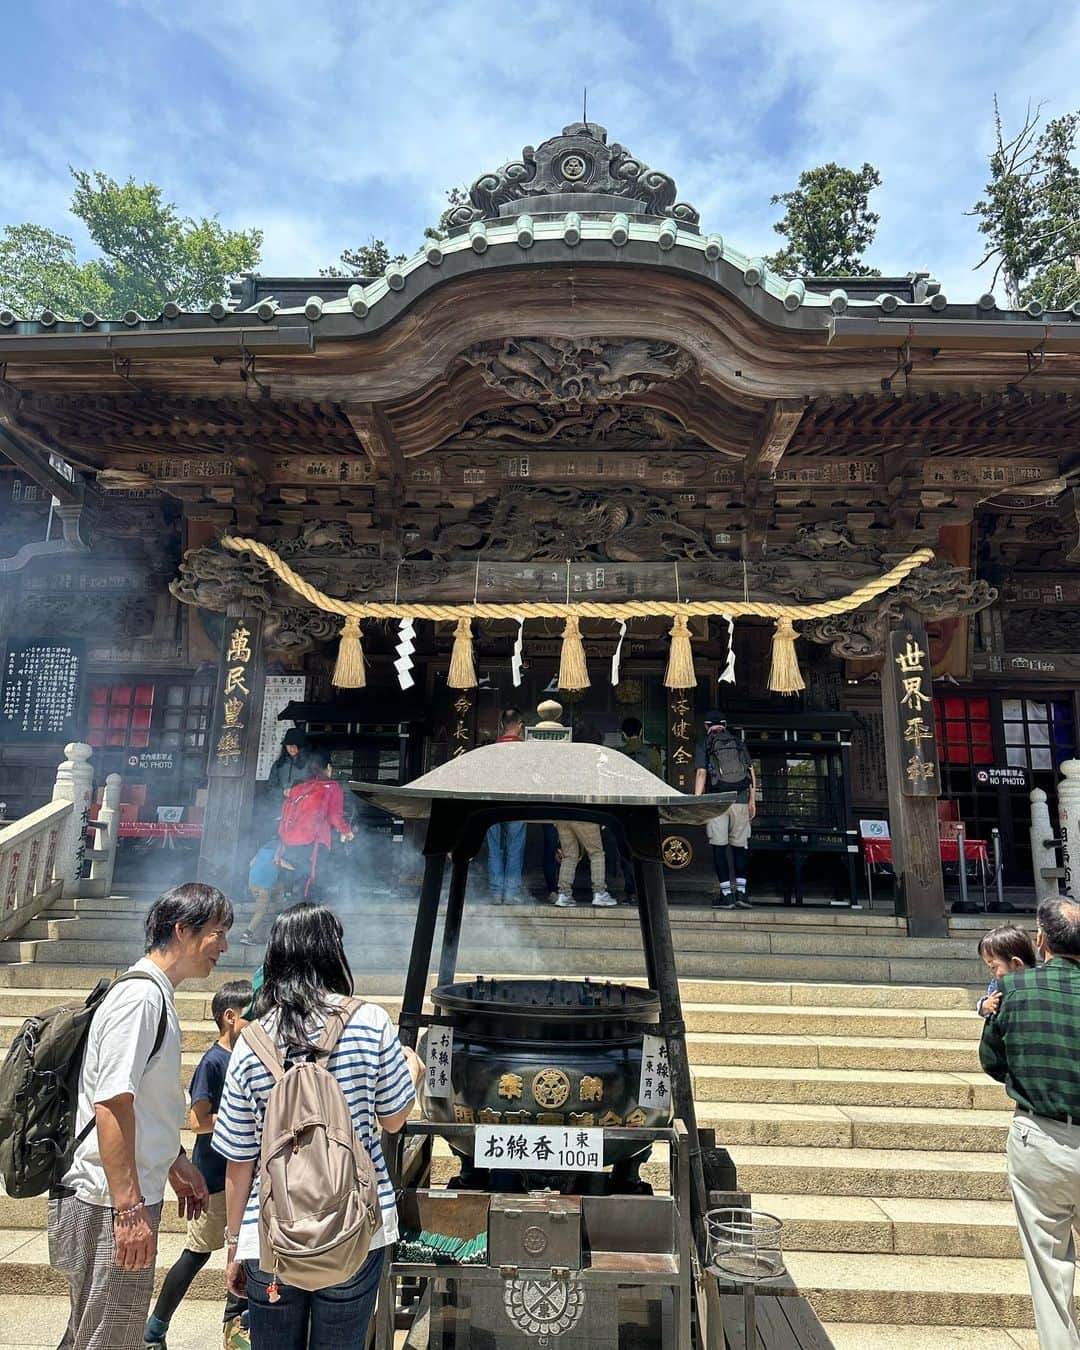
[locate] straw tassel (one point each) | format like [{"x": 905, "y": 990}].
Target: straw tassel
[
  {"x": 462, "y": 667},
  {"x": 349, "y": 670},
  {"x": 680, "y": 668},
  {"x": 573, "y": 672},
  {"x": 784, "y": 675}
]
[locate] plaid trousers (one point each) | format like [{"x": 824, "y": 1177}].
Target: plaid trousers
[{"x": 109, "y": 1306}]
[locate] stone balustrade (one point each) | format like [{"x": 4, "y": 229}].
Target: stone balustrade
[{"x": 29, "y": 853}]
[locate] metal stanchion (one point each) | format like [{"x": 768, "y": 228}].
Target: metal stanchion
[
  {"x": 995, "y": 838},
  {"x": 961, "y": 854}
]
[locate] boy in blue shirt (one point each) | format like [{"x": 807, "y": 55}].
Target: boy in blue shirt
[{"x": 206, "y": 1234}]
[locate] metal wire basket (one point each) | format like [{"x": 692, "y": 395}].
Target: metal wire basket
[{"x": 745, "y": 1245}]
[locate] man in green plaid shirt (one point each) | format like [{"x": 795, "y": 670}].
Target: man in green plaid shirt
[{"x": 1032, "y": 1045}]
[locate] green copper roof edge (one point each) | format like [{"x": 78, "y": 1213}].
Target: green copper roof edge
[{"x": 503, "y": 248}]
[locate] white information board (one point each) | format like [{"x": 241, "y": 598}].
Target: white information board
[
  {"x": 654, "y": 1089},
  {"x": 278, "y": 692},
  {"x": 440, "y": 1062},
  {"x": 539, "y": 1148}
]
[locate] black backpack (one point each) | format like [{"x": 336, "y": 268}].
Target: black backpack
[
  {"x": 39, "y": 1091},
  {"x": 728, "y": 760}
]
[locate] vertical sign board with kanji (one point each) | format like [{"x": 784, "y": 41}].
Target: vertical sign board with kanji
[
  {"x": 914, "y": 693},
  {"x": 41, "y": 690},
  {"x": 232, "y": 723},
  {"x": 681, "y": 739}
]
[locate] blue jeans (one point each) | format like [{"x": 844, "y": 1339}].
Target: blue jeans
[
  {"x": 505, "y": 852},
  {"x": 328, "y": 1319}
]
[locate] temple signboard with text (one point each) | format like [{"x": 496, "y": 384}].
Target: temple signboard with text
[
  {"x": 917, "y": 752},
  {"x": 232, "y": 723},
  {"x": 41, "y": 690}
]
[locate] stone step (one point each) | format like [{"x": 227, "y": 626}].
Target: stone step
[
  {"x": 724, "y": 1019},
  {"x": 911, "y": 1174},
  {"x": 915, "y": 1291},
  {"x": 724, "y": 992},
  {"x": 39, "y": 1323},
  {"x": 25, "y": 1269},
  {"x": 833, "y": 1052},
  {"x": 540, "y": 929},
  {"x": 864, "y": 1336},
  {"x": 824, "y": 1020},
  {"x": 847, "y": 1087},
  {"x": 599, "y": 963},
  {"x": 861, "y": 1127},
  {"x": 855, "y": 1223}
]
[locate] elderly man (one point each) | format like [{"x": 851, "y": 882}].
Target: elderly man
[
  {"x": 104, "y": 1216},
  {"x": 1031, "y": 1045}
]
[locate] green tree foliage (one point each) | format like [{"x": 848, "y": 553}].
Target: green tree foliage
[
  {"x": 149, "y": 254},
  {"x": 369, "y": 260},
  {"x": 827, "y": 223},
  {"x": 39, "y": 270},
  {"x": 373, "y": 258},
  {"x": 1031, "y": 212}
]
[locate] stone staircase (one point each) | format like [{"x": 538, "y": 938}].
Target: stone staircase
[{"x": 836, "y": 1059}]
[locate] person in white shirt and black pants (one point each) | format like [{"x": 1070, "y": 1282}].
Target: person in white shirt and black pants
[{"x": 104, "y": 1215}]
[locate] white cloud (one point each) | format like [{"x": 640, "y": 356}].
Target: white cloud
[{"x": 325, "y": 123}]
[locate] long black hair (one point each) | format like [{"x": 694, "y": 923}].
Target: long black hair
[{"x": 304, "y": 964}]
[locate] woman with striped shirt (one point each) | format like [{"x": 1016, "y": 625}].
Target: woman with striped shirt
[{"x": 305, "y": 975}]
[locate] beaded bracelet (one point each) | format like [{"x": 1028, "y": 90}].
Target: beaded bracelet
[{"x": 130, "y": 1212}]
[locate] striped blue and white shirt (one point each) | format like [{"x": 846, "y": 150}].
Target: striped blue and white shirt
[{"x": 368, "y": 1063}]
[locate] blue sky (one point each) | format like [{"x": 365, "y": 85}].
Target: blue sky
[{"x": 325, "y": 122}]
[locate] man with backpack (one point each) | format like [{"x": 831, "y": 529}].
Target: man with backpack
[
  {"x": 105, "y": 1209},
  {"x": 723, "y": 763}
]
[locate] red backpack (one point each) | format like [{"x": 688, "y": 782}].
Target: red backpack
[{"x": 304, "y": 811}]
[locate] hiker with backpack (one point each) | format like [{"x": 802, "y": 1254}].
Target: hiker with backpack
[
  {"x": 313, "y": 808},
  {"x": 723, "y": 763},
  {"x": 309, "y": 1202},
  {"x": 124, "y": 1142}
]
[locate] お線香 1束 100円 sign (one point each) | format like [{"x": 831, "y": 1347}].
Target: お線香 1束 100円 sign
[{"x": 41, "y": 690}]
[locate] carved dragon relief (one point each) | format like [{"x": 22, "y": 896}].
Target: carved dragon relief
[
  {"x": 623, "y": 428},
  {"x": 213, "y": 579},
  {"x": 619, "y": 524},
  {"x": 578, "y": 161},
  {"x": 940, "y": 590},
  {"x": 572, "y": 373}
]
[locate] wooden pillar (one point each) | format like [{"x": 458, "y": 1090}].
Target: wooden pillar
[
  {"x": 234, "y": 750},
  {"x": 911, "y": 765}
]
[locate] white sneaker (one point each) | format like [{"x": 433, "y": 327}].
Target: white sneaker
[
  {"x": 564, "y": 901},
  {"x": 604, "y": 899}
]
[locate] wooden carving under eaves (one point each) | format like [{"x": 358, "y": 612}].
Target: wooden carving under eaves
[
  {"x": 213, "y": 579},
  {"x": 572, "y": 373},
  {"x": 625, "y": 427},
  {"x": 940, "y": 590},
  {"x": 555, "y": 523}
]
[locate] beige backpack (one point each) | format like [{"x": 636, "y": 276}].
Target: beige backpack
[{"x": 318, "y": 1197}]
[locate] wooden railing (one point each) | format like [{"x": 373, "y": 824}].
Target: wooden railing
[{"x": 28, "y": 857}]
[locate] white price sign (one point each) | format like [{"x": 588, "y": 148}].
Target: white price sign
[
  {"x": 539, "y": 1148},
  {"x": 654, "y": 1089},
  {"x": 440, "y": 1062}
]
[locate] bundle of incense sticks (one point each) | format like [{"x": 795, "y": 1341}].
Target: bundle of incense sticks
[{"x": 438, "y": 1249}]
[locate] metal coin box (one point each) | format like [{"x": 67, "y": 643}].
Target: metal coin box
[{"x": 535, "y": 1232}]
